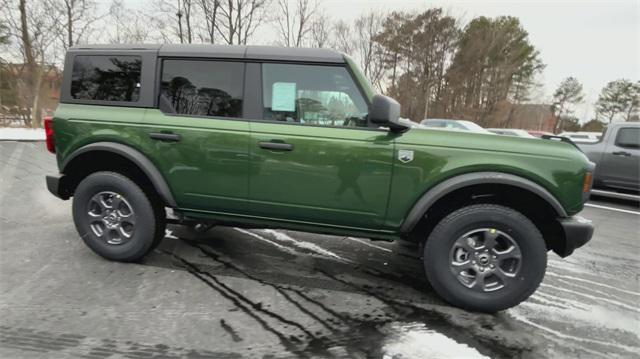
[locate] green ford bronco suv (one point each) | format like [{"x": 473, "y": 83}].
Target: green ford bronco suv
[{"x": 268, "y": 137}]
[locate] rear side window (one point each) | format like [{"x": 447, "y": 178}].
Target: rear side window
[
  {"x": 628, "y": 137},
  {"x": 202, "y": 88},
  {"x": 106, "y": 78}
]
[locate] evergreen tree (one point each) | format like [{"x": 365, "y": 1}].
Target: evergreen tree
[
  {"x": 568, "y": 93},
  {"x": 620, "y": 97}
]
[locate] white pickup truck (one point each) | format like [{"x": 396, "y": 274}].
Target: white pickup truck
[{"x": 617, "y": 157}]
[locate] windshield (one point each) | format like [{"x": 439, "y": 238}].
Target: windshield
[{"x": 362, "y": 80}]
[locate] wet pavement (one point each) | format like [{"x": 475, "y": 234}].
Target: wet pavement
[{"x": 236, "y": 293}]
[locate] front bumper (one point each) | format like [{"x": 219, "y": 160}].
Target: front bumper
[
  {"x": 56, "y": 185},
  {"x": 577, "y": 232}
]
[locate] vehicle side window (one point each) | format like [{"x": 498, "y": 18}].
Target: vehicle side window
[
  {"x": 106, "y": 78},
  {"x": 628, "y": 137},
  {"x": 202, "y": 88},
  {"x": 312, "y": 95}
]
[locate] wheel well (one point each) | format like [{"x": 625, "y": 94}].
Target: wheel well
[
  {"x": 539, "y": 211},
  {"x": 94, "y": 161}
]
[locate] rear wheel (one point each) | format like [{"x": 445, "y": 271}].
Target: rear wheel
[
  {"x": 485, "y": 258},
  {"x": 116, "y": 218}
]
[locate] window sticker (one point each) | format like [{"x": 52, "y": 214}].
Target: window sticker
[{"x": 283, "y": 97}]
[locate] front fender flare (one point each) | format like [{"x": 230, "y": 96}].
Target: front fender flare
[
  {"x": 448, "y": 186},
  {"x": 133, "y": 155}
]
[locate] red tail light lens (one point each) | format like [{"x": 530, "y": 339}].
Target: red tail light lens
[{"x": 48, "y": 131}]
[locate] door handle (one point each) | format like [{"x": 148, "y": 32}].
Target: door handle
[
  {"x": 163, "y": 136},
  {"x": 279, "y": 146},
  {"x": 621, "y": 153}
]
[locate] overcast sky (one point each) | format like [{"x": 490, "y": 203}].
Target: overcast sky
[{"x": 594, "y": 41}]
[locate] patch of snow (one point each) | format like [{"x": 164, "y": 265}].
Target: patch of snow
[
  {"x": 283, "y": 237},
  {"x": 263, "y": 239},
  {"x": 21, "y": 134},
  {"x": 415, "y": 340},
  {"x": 169, "y": 234}
]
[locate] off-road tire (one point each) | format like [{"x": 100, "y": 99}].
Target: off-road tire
[
  {"x": 149, "y": 221},
  {"x": 437, "y": 257}
]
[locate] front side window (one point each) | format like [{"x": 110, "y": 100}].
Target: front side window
[
  {"x": 312, "y": 95},
  {"x": 202, "y": 88},
  {"x": 106, "y": 78},
  {"x": 628, "y": 137}
]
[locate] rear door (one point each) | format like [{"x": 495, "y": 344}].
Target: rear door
[
  {"x": 621, "y": 161},
  {"x": 198, "y": 136},
  {"x": 313, "y": 157}
]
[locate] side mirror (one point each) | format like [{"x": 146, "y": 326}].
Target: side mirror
[{"x": 385, "y": 111}]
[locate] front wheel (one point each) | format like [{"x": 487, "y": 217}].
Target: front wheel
[
  {"x": 485, "y": 258},
  {"x": 116, "y": 218}
]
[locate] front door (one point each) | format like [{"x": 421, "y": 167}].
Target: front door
[
  {"x": 621, "y": 161},
  {"x": 313, "y": 158},
  {"x": 198, "y": 138}
]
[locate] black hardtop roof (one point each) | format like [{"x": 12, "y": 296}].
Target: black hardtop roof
[{"x": 273, "y": 53}]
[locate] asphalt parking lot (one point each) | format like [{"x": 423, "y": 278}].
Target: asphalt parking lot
[{"x": 232, "y": 293}]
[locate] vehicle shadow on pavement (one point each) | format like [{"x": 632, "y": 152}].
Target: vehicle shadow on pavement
[{"x": 353, "y": 298}]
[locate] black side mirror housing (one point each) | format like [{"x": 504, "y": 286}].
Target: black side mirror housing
[{"x": 385, "y": 111}]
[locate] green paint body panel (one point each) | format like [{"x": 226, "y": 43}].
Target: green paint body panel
[{"x": 344, "y": 181}]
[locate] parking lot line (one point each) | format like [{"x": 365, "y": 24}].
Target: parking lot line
[{"x": 611, "y": 208}]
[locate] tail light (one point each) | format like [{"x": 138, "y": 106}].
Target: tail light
[{"x": 48, "y": 131}]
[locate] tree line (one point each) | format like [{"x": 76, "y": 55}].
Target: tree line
[{"x": 433, "y": 63}]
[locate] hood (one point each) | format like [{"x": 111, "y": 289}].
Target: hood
[{"x": 538, "y": 147}]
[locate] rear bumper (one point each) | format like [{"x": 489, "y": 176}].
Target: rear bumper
[
  {"x": 55, "y": 185},
  {"x": 577, "y": 232}
]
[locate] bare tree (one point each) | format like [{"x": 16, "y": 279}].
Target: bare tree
[
  {"x": 342, "y": 37},
  {"x": 210, "y": 13},
  {"x": 239, "y": 19},
  {"x": 76, "y": 19},
  {"x": 180, "y": 13},
  {"x": 130, "y": 25},
  {"x": 294, "y": 25},
  {"x": 320, "y": 30},
  {"x": 34, "y": 32},
  {"x": 369, "y": 52}
]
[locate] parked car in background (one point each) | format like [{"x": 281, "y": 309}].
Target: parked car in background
[
  {"x": 461, "y": 125},
  {"x": 539, "y": 134},
  {"x": 411, "y": 124},
  {"x": 510, "y": 132},
  {"x": 617, "y": 156},
  {"x": 582, "y": 137}
]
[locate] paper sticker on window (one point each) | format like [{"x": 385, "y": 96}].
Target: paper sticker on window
[{"x": 283, "y": 97}]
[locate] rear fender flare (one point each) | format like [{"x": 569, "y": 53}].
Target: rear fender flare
[{"x": 133, "y": 155}]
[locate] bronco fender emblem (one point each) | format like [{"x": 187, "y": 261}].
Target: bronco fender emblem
[{"x": 405, "y": 156}]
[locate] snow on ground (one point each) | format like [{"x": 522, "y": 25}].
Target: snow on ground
[
  {"x": 415, "y": 340},
  {"x": 25, "y": 134}
]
